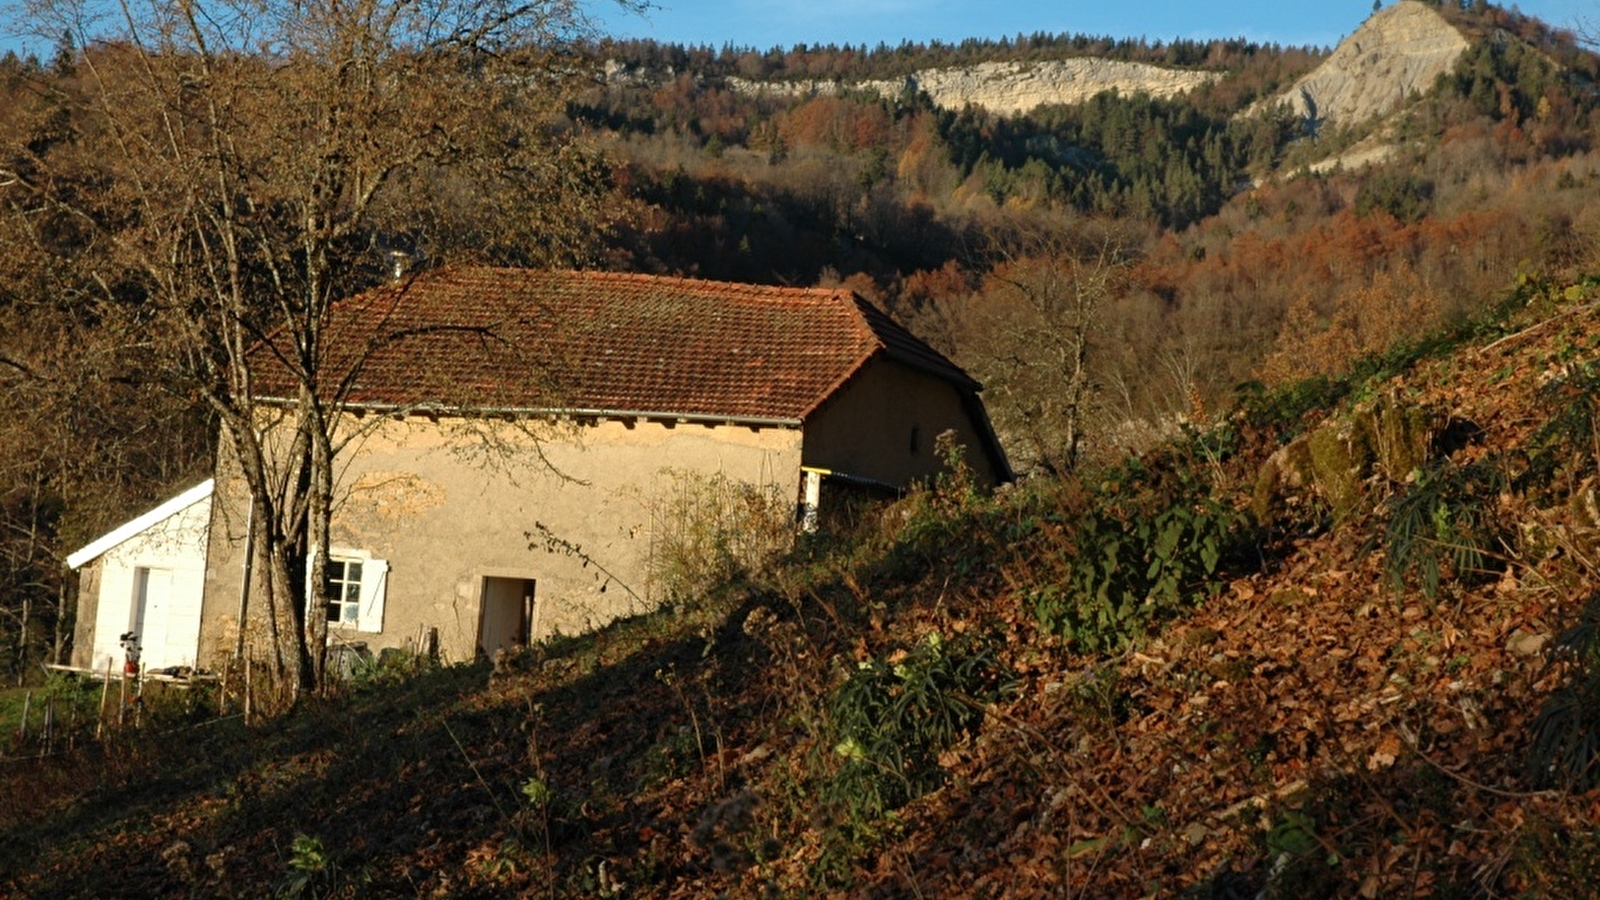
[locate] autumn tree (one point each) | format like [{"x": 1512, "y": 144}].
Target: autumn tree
[{"x": 227, "y": 171}]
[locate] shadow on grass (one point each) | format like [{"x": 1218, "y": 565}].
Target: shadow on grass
[{"x": 396, "y": 781}]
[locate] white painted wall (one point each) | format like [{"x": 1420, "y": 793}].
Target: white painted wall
[{"x": 163, "y": 562}]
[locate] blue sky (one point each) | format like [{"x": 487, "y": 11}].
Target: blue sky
[
  {"x": 764, "y": 23},
  {"x": 768, "y": 23}
]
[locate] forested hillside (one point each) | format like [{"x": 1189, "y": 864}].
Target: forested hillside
[
  {"x": 1296, "y": 596},
  {"x": 1232, "y": 235}
]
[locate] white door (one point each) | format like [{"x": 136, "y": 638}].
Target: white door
[{"x": 152, "y": 608}]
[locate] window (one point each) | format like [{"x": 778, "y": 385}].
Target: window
[
  {"x": 343, "y": 591},
  {"x": 352, "y": 592}
]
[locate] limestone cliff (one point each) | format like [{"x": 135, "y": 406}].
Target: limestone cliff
[
  {"x": 1011, "y": 87},
  {"x": 1396, "y": 53}
]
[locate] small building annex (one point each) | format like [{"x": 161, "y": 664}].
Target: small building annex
[{"x": 520, "y": 443}]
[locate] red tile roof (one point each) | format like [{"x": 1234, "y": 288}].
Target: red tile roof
[{"x": 486, "y": 338}]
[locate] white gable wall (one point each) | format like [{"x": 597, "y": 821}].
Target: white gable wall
[{"x": 151, "y": 582}]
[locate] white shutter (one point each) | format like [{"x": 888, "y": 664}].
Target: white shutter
[{"x": 374, "y": 584}]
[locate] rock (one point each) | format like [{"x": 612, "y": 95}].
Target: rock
[
  {"x": 1524, "y": 643},
  {"x": 1396, "y": 53},
  {"x": 1340, "y": 460},
  {"x": 1008, "y": 87}
]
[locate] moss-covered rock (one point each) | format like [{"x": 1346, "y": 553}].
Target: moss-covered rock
[
  {"x": 1282, "y": 480},
  {"x": 1400, "y": 433},
  {"x": 1341, "y": 458},
  {"x": 1390, "y": 436}
]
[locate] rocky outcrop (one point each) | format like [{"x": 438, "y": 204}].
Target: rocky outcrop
[
  {"x": 1010, "y": 87},
  {"x": 1396, "y": 53}
]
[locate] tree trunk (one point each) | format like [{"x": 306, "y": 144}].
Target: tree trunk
[{"x": 60, "y": 643}]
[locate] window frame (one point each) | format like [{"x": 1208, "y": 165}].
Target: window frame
[
  {"x": 371, "y": 591},
  {"x": 341, "y": 591}
]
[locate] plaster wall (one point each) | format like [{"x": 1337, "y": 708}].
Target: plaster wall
[{"x": 447, "y": 503}]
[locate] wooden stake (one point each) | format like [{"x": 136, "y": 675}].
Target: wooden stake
[
  {"x": 22, "y": 731},
  {"x": 105, "y": 691},
  {"x": 222, "y": 688}
]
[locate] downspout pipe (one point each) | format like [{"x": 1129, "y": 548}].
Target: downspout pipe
[{"x": 249, "y": 570}]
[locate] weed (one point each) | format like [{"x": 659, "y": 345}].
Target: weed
[
  {"x": 1557, "y": 860},
  {"x": 712, "y": 530},
  {"x": 893, "y": 717},
  {"x": 391, "y": 667},
  {"x": 1098, "y": 697},
  {"x": 669, "y": 677},
  {"x": 1569, "y": 439},
  {"x": 889, "y": 722},
  {"x": 1566, "y": 735},
  {"x": 312, "y": 871},
  {"x": 1446, "y": 522}
]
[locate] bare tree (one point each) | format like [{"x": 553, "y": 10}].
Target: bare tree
[
  {"x": 83, "y": 437},
  {"x": 231, "y": 169},
  {"x": 1033, "y": 337}
]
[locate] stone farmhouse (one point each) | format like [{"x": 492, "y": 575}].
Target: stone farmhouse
[{"x": 520, "y": 445}]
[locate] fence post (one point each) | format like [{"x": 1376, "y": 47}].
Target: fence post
[
  {"x": 248, "y": 669},
  {"x": 105, "y": 691}
]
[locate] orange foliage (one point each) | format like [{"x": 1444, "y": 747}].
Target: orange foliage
[
  {"x": 950, "y": 280},
  {"x": 837, "y": 124},
  {"x": 1395, "y": 306}
]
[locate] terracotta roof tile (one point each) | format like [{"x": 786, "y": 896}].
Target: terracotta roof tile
[{"x": 490, "y": 338}]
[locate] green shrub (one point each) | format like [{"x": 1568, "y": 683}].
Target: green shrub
[
  {"x": 1145, "y": 548},
  {"x": 1282, "y": 409},
  {"x": 892, "y": 718}
]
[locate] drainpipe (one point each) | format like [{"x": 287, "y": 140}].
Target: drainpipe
[{"x": 249, "y": 568}]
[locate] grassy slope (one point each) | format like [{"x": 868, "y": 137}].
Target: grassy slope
[{"x": 1309, "y": 727}]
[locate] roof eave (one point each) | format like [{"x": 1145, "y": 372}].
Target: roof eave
[
  {"x": 569, "y": 412},
  {"x": 99, "y": 546}
]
